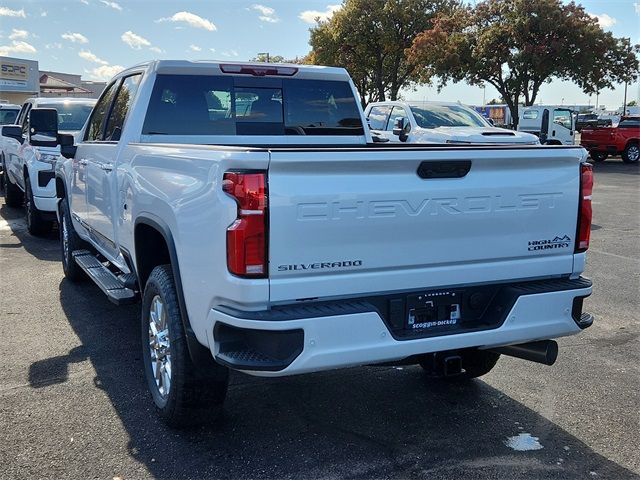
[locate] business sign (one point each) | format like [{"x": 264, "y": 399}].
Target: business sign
[
  {"x": 14, "y": 71},
  {"x": 18, "y": 75}
]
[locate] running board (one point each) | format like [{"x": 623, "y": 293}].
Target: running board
[{"x": 113, "y": 287}]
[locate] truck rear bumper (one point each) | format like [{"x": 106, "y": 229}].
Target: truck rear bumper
[{"x": 292, "y": 346}]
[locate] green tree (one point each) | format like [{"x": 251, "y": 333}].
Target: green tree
[
  {"x": 519, "y": 45},
  {"x": 632, "y": 103},
  {"x": 370, "y": 39}
]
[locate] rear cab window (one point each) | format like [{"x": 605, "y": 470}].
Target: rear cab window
[{"x": 235, "y": 105}]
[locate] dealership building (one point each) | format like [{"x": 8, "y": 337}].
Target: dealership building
[{"x": 21, "y": 79}]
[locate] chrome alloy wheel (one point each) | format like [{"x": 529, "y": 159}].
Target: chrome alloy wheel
[
  {"x": 633, "y": 153},
  {"x": 160, "y": 346}
]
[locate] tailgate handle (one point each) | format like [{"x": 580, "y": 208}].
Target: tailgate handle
[{"x": 444, "y": 169}]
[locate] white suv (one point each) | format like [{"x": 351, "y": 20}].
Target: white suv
[{"x": 29, "y": 169}]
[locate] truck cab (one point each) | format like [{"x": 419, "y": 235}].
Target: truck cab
[{"x": 552, "y": 124}]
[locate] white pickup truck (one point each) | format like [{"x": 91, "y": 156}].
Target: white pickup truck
[
  {"x": 263, "y": 231},
  {"x": 438, "y": 122},
  {"x": 28, "y": 162}
]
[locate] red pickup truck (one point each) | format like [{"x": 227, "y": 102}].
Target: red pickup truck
[{"x": 621, "y": 140}]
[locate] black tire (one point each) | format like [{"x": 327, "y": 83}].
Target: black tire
[
  {"x": 69, "y": 241},
  {"x": 192, "y": 396},
  {"x": 631, "y": 153},
  {"x": 475, "y": 363},
  {"x": 13, "y": 196},
  {"x": 35, "y": 223},
  {"x": 598, "y": 156}
]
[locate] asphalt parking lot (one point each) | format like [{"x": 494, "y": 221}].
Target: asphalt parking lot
[{"x": 74, "y": 404}]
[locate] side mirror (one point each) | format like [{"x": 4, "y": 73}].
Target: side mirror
[
  {"x": 67, "y": 148},
  {"x": 13, "y": 131},
  {"x": 43, "y": 127},
  {"x": 401, "y": 127}
]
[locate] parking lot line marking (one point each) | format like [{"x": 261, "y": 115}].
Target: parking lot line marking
[{"x": 615, "y": 255}]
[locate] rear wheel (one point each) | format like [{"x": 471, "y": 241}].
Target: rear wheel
[
  {"x": 598, "y": 156},
  {"x": 13, "y": 196},
  {"x": 475, "y": 363},
  {"x": 182, "y": 394},
  {"x": 631, "y": 153},
  {"x": 35, "y": 223}
]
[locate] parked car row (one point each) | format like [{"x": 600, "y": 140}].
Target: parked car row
[{"x": 249, "y": 211}]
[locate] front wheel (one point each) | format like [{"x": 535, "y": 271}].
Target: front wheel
[
  {"x": 35, "y": 223},
  {"x": 598, "y": 156},
  {"x": 69, "y": 241},
  {"x": 183, "y": 396},
  {"x": 631, "y": 153}
]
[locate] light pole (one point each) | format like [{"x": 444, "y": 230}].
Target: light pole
[{"x": 624, "y": 104}]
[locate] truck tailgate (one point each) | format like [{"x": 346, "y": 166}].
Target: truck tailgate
[{"x": 350, "y": 221}]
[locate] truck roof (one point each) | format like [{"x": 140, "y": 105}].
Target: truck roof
[
  {"x": 60, "y": 100},
  {"x": 213, "y": 67}
]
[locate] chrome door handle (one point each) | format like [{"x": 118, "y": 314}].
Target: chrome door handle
[{"x": 107, "y": 167}]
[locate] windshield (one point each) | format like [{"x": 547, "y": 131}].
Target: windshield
[
  {"x": 71, "y": 116},
  {"x": 434, "y": 116},
  {"x": 8, "y": 117}
]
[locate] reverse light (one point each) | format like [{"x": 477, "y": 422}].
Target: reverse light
[
  {"x": 247, "y": 236},
  {"x": 585, "y": 211}
]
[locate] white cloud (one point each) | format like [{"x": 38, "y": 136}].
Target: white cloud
[
  {"x": 43, "y": 13},
  {"x": 156, "y": 49},
  {"x": 636, "y": 5},
  {"x": 311, "y": 16},
  {"x": 91, "y": 57},
  {"x": 56, "y": 45},
  {"x": 134, "y": 41},
  {"x": 604, "y": 20},
  {"x": 230, "y": 53},
  {"x": 105, "y": 72},
  {"x": 190, "y": 19},
  {"x": 17, "y": 46},
  {"x": 114, "y": 5},
  {"x": 195, "y": 48},
  {"x": 75, "y": 37},
  {"x": 268, "y": 14},
  {"x": 7, "y": 12},
  {"x": 17, "y": 34},
  {"x": 212, "y": 50},
  {"x": 86, "y": 2}
]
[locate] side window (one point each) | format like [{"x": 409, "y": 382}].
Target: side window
[
  {"x": 99, "y": 114},
  {"x": 124, "y": 98},
  {"x": 395, "y": 113},
  {"x": 378, "y": 117},
  {"x": 562, "y": 117}
]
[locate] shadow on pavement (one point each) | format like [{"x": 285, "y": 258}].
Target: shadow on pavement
[
  {"x": 15, "y": 219},
  {"x": 617, "y": 166},
  {"x": 368, "y": 422}
]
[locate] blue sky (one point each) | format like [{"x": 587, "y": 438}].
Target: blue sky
[{"x": 97, "y": 37}]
